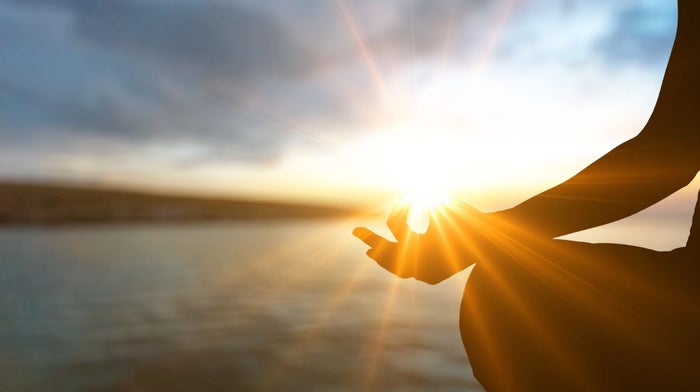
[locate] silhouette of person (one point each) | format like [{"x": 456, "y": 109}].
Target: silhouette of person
[{"x": 544, "y": 314}]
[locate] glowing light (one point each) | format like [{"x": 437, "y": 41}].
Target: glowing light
[
  {"x": 422, "y": 203},
  {"x": 425, "y": 171}
]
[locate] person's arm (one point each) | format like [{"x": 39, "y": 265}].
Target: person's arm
[
  {"x": 628, "y": 179},
  {"x": 663, "y": 158}
]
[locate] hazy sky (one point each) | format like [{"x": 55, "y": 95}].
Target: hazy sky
[{"x": 324, "y": 100}]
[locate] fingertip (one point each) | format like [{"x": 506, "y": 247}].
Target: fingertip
[
  {"x": 360, "y": 232},
  {"x": 369, "y": 237}
]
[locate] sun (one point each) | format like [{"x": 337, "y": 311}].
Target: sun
[
  {"x": 421, "y": 206},
  {"x": 424, "y": 174},
  {"x": 425, "y": 189}
]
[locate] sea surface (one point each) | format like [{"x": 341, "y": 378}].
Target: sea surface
[{"x": 243, "y": 306}]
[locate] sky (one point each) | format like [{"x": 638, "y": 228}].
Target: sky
[{"x": 344, "y": 101}]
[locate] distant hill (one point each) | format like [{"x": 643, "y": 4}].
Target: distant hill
[{"x": 54, "y": 204}]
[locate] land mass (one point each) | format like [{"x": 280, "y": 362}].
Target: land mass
[{"x": 22, "y": 203}]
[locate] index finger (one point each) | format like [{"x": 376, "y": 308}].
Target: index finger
[{"x": 369, "y": 237}]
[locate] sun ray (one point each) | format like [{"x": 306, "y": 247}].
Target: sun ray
[
  {"x": 576, "y": 286},
  {"x": 487, "y": 339},
  {"x": 366, "y": 52},
  {"x": 413, "y": 46},
  {"x": 599, "y": 305},
  {"x": 495, "y": 36},
  {"x": 247, "y": 108},
  {"x": 531, "y": 321},
  {"x": 412, "y": 318},
  {"x": 452, "y": 255},
  {"x": 564, "y": 280},
  {"x": 297, "y": 266},
  {"x": 322, "y": 317},
  {"x": 378, "y": 341},
  {"x": 327, "y": 312},
  {"x": 448, "y": 36}
]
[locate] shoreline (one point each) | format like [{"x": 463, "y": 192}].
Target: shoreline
[{"x": 55, "y": 205}]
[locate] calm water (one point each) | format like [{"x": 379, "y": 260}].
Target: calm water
[{"x": 287, "y": 306}]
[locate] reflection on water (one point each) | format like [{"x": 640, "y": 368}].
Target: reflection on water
[{"x": 290, "y": 306}]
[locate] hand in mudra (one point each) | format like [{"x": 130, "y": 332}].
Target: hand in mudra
[{"x": 450, "y": 244}]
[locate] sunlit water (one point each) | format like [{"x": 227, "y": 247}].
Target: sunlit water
[
  {"x": 285, "y": 306},
  {"x": 261, "y": 306}
]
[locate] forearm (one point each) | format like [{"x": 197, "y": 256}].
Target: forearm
[{"x": 628, "y": 179}]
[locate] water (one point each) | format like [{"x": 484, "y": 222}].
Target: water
[{"x": 255, "y": 306}]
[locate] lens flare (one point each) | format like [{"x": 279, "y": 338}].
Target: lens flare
[{"x": 421, "y": 204}]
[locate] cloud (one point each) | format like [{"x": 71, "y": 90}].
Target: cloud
[
  {"x": 149, "y": 71},
  {"x": 641, "y": 34},
  {"x": 226, "y": 39},
  {"x": 136, "y": 71},
  {"x": 247, "y": 79},
  {"x": 577, "y": 34}
]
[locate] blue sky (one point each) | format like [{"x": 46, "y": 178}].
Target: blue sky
[{"x": 323, "y": 100}]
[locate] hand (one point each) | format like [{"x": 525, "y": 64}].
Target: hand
[{"x": 451, "y": 243}]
